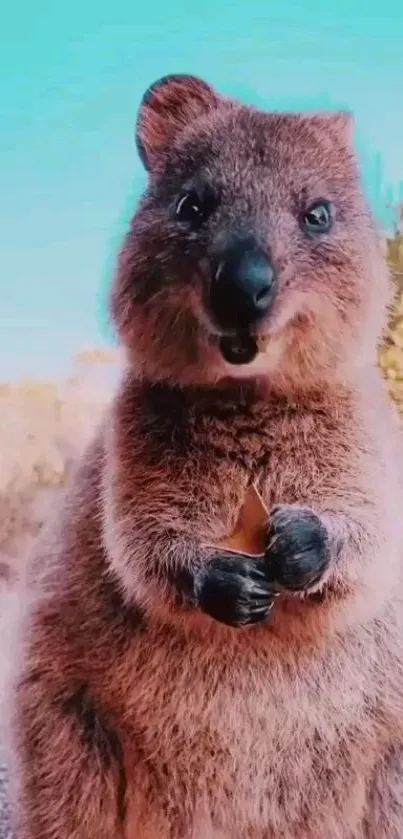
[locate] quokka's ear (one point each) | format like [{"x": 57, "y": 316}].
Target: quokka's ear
[
  {"x": 167, "y": 106},
  {"x": 338, "y": 124}
]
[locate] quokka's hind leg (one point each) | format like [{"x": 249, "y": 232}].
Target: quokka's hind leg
[
  {"x": 70, "y": 781},
  {"x": 73, "y": 781}
]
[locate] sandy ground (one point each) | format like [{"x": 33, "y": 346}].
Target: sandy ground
[
  {"x": 5, "y": 830},
  {"x": 9, "y": 605}
]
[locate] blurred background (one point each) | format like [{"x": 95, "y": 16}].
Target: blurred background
[{"x": 71, "y": 77}]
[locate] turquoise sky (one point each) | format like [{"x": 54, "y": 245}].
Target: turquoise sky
[{"x": 71, "y": 76}]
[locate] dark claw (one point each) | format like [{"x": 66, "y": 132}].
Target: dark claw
[
  {"x": 234, "y": 589},
  {"x": 297, "y": 552}
]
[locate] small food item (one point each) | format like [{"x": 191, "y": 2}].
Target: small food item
[{"x": 250, "y": 531}]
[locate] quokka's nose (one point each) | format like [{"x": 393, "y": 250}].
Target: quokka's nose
[{"x": 242, "y": 287}]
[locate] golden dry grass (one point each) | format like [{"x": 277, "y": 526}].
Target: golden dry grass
[
  {"x": 44, "y": 425},
  {"x": 391, "y": 353}
]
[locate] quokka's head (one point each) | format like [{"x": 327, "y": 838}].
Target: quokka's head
[{"x": 253, "y": 252}]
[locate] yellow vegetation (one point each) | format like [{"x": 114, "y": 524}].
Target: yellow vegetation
[
  {"x": 391, "y": 353},
  {"x": 44, "y": 425}
]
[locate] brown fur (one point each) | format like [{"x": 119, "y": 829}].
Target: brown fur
[{"x": 137, "y": 715}]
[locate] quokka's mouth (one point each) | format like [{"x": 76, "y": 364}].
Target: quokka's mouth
[{"x": 241, "y": 348}]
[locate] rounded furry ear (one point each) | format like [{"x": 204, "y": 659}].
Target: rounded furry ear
[
  {"x": 339, "y": 124},
  {"x": 166, "y": 108}
]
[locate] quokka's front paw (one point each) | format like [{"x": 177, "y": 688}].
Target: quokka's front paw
[
  {"x": 297, "y": 552},
  {"x": 234, "y": 589}
]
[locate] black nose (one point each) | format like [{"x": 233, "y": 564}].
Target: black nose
[{"x": 242, "y": 287}]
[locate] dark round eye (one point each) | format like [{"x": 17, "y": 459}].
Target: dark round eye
[
  {"x": 318, "y": 218},
  {"x": 191, "y": 208}
]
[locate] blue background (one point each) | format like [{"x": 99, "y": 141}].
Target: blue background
[{"x": 71, "y": 77}]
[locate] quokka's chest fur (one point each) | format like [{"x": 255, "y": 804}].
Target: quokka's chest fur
[{"x": 210, "y": 449}]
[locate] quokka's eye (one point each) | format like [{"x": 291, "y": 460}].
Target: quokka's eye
[
  {"x": 318, "y": 218},
  {"x": 193, "y": 209}
]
